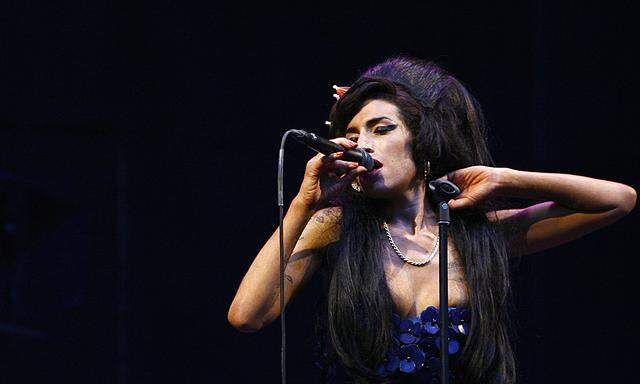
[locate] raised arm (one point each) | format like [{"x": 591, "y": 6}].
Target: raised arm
[
  {"x": 257, "y": 301},
  {"x": 572, "y": 207},
  {"x": 309, "y": 225}
]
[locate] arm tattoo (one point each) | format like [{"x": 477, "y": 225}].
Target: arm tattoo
[
  {"x": 289, "y": 278},
  {"x": 334, "y": 215},
  {"x": 331, "y": 215}
]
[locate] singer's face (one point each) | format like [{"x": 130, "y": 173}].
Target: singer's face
[{"x": 379, "y": 129}]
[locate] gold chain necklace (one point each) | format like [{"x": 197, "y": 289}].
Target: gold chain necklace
[{"x": 403, "y": 257}]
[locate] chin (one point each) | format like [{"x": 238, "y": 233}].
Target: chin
[{"x": 378, "y": 189}]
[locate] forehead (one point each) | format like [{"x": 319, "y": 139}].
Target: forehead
[{"x": 373, "y": 109}]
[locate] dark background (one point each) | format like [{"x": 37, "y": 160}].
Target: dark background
[{"x": 138, "y": 153}]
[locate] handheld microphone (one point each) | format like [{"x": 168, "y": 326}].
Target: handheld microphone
[{"x": 326, "y": 147}]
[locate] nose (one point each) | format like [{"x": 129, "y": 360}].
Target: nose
[{"x": 365, "y": 145}]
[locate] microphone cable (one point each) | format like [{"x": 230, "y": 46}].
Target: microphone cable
[
  {"x": 323, "y": 146},
  {"x": 283, "y": 341}
]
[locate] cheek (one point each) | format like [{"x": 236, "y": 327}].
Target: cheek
[
  {"x": 401, "y": 165},
  {"x": 401, "y": 151}
]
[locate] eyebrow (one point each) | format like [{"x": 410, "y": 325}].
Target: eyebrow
[{"x": 370, "y": 123}]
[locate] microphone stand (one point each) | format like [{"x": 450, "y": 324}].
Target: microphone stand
[
  {"x": 443, "y": 225},
  {"x": 443, "y": 191}
]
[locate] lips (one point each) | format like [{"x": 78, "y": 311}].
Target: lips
[
  {"x": 377, "y": 168},
  {"x": 375, "y": 171}
]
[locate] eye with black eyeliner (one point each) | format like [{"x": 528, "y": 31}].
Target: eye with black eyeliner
[
  {"x": 386, "y": 128},
  {"x": 380, "y": 129}
]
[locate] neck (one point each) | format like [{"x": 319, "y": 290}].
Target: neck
[{"x": 409, "y": 211}]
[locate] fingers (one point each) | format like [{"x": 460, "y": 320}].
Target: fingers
[
  {"x": 459, "y": 203},
  {"x": 333, "y": 164},
  {"x": 330, "y": 162},
  {"x": 345, "y": 143},
  {"x": 314, "y": 164},
  {"x": 352, "y": 174},
  {"x": 345, "y": 180},
  {"x": 342, "y": 182}
]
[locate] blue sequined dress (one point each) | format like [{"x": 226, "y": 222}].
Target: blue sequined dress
[{"x": 414, "y": 356}]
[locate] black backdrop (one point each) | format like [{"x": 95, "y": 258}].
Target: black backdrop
[{"x": 138, "y": 149}]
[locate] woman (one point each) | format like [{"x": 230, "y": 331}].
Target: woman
[{"x": 374, "y": 234}]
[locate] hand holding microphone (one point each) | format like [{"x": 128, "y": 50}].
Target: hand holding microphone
[
  {"x": 328, "y": 174},
  {"x": 327, "y": 147}
]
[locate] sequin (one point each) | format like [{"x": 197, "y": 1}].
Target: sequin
[
  {"x": 429, "y": 318},
  {"x": 411, "y": 357},
  {"x": 410, "y": 330},
  {"x": 453, "y": 346},
  {"x": 419, "y": 342}
]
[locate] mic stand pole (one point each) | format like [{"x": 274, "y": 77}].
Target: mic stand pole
[
  {"x": 443, "y": 226},
  {"x": 442, "y": 191}
]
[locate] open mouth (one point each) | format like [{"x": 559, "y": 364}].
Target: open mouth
[{"x": 377, "y": 166}]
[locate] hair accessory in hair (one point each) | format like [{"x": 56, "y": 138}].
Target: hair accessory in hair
[{"x": 340, "y": 91}]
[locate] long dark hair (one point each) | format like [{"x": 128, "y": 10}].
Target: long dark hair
[{"x": 448, "y": 129}]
